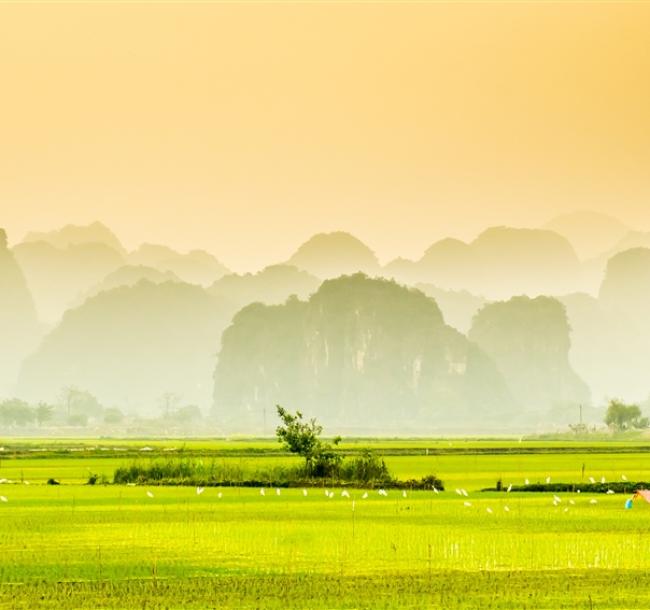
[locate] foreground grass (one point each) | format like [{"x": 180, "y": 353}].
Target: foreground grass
[
  {"x": 119, "y": 547},
  {"x": 76, "y": 546},
  {"x": 576, "y": 589}
]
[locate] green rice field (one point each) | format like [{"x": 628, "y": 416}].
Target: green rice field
[{"x": 111, "y": 546}]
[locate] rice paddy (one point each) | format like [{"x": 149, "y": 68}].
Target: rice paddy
[{"x": 113, "y": 546}]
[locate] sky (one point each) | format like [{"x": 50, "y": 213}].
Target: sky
[{"x": 244, "y": 128}]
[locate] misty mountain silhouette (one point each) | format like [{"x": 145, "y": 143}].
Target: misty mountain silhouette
[
  {"x": 194, "y": 267},
  {"x": 328, "y": 255},
  {"x": 19, "y": 327},
  {"x": 590, "y": 233},
  {"x": 56, "y": 276},
  {"x": 273, "y": 285},
  {"x": 128, "y": 275},
  {"x": 500, "y": 262},
  {"x": 73, "y": 235},
  {"x": 529, "y": 341},
  {"x": 129, "y": 345}
]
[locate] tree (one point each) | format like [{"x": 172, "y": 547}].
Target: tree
[
  {"x": 621, "y": 416},
  {"x": 44, "y": 413},
  {"x": 80, "y": 402},
  {"x": 15, "y": 412},
  {"x": 188, "y": 414},
  {"x": 302, "y": 437},
  {"x": 113, "y": 415}
]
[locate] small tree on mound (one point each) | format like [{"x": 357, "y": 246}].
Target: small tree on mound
[{"x": 302, "y": 437}]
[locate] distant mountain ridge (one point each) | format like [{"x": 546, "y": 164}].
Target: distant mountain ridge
[{"x": 605, "y": 343}]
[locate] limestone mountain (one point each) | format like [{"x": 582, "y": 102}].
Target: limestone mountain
[
  {"x": 458, "y": 306},
  {"x": 364, "y": 354},
  {"x": 128, "y": 275},
  {"x": 19, "y": 328},
  {"x": 272, "y": 286},
  {"x": 523, "y": 261},
  {"x": 194, "y": 267},
  {"x": 57, "y": 275},
  {"x": 608, "y": 350},
  {"x": 328, "y": 255},
  {"x": 501, "y": 262},
  {"x": 590, "y": 233},
  {"x": 131, "y": 345},
  {"x": 529, "y": 339},
  {"x": 73, "y": 235},
  {"x": 626, "y": 286}
]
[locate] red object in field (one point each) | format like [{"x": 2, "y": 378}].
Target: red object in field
[{"x": 643, "y": 493}]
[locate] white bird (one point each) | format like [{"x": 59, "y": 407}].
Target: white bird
[
  {"x": 464, "y": 492},
  {"x": 610, "y": 492},
  {"x": 593, "y": 501},
  {"x": 602, "y": 480},
  {"x": 435, "y": 490},
  {"x": 365, "y": 495},
  {"x": 404, "y": 494},
  {"x": 459, "y": 492},
  {"x": 327, "y": 493},
  {"x": 277, "y": 491},
  {"x": 548, "y": 479},
  {"x": 219, "y": 495},
  {"x": 557, "y": 499},
  {"x": 566, "y": 510},
  {"x": 578, "y": 491},
  {"x": 304, "y": 492},
  {"x": 345, "y": 493},
  {"x": 382, "y": 492},
  {"x": 555, "y": 502},
  {"x": 572, "y": 502},
  {"x": 3, "y": 499},
  {"x": 331, "y": 494},
  {"x": 623, "y": 477},
  {"x": 489, "y": 510},
  {"x": 509, "y": 488},
  {"x": 26, "y": 482},
  {"x": 527, "y": 482},
  {"x": 592, "y": 480},
  {"x": 3, "y": 481},
  {"x": 150, "y": 494},
  {"x": 262, "y": 492},
  {"x": 467, "y": 503},
  {"x": 506, "y": 508},
  {"x": 199, "y": 490}
]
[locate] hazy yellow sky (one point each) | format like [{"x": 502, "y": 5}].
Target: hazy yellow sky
[{"x": 244, "y": 128}]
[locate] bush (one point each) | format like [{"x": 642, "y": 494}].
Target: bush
[{"x": 365, "y": 469}]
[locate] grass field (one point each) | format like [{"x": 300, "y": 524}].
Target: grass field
[{"x": 111, "y": 546}]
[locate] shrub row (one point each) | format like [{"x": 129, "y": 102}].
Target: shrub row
[{"x": 623, "y": 487}]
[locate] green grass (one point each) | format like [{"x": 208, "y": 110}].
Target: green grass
[{"x": 74, "y": 546}]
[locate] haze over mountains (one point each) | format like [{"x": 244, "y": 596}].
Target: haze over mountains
[{"x": 514, "y": 328}]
